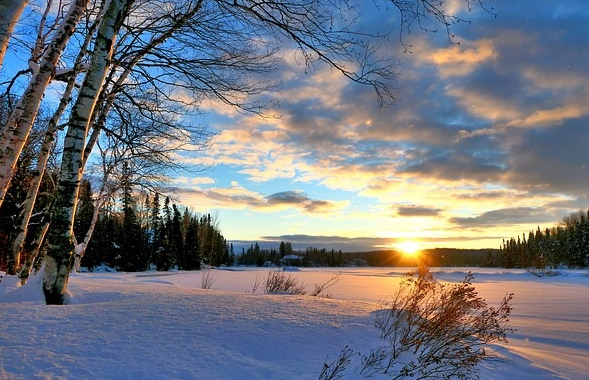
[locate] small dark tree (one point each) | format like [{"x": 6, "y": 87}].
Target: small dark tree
[
  {"x": 85, "y": 210},
  {"x": 103, "y": 248},
  {"x": 177, "y": 237},
  {"x": 192, "y": 246}
]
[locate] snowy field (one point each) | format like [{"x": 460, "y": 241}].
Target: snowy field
[{"x": 165, "y": 326}]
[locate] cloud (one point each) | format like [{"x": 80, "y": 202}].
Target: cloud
[
  {"x": 516, "y": 215},
  {"x": 418, "y": 211},
  {"x": 552, "y": 117},
  {"x": 497, "y": 121},
  {"x": 460, "y": 60},
  {"x": 298, "y": 199},
  {"x": 551, "y": 160},
  {"x": 194, "y": 181},
  {"x": 240, "y": 198}
]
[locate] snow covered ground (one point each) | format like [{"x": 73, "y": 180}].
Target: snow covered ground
[{"x": 165, "y": 326}]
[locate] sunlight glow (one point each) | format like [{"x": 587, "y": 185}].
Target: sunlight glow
[{"x": 409, "y": 247}]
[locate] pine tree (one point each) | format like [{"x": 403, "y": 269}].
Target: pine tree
[
  {"x": 192, "y": 246},
  {"x": 85, "y": 210},
  {"x": 177, "y": 237},
  {"x": 133, "y": 245},
  {"x": 103, "y": 248}
]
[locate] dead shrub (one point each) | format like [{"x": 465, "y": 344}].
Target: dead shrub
[
  {"x": 432, "y": 330},
  {"x": 207, "y": 279},
  {"x": 282, "y": 282},
  {"x": 320, "y": 289}
]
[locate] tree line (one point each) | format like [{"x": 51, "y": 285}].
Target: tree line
[
  {"x": 566, "y": 244},
  {"x": 135, "y": 233},
  {"x": 285, "y": 255},
  {"x": 148, "y": 235}
]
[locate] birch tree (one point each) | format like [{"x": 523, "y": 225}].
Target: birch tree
[
  {"x": 60, "y": 237},
  {"x": 18, "y": 127},
  {"x": 42, "y": 159},
  {"x": 146, "y": 146},
  {"x": 10, "y": 11}
]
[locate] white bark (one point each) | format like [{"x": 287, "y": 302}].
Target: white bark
[
  {"x": 109, "y": 97},
  {"x": 27, "y": 266},
  {"x": 105, "y": 107},
  {"x": 29, "y": 202},
  {"x": 32, "y": 193},
  {"x": 61, "y": 235},
  {"x": 44, "y": 153},
  {"x": 10, "y": 11},
  {"x": 18, "y": 127}
]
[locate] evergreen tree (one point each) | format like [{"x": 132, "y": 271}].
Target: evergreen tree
[
  {"x": 133, "y": 245},
  {"x": 85, "y": 210},
  {"x": 103, "y": 248},
  {"x": 192, "y": 246},
  {"x": 177, "y": 237}
]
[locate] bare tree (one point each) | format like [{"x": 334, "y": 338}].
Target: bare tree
[
  {"x": 45, "y": 150},
  {"x": 147, "y": 147}
]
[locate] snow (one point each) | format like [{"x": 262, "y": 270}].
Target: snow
[{"x": 162, "y": 325}]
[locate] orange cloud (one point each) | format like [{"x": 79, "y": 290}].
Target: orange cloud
[
  {"x": 551, "y": 117},
  {"x": 462, "y": 59}
]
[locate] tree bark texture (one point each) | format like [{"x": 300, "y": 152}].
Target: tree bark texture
[
  {"x": 10, "y": 11},
  {"x": 42, "y": 159},
  {"x": 60, "y": 252}
]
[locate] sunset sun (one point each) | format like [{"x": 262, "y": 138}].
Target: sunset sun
[{"x": 409, "y": 247}]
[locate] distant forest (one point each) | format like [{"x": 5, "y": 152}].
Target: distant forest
[
  {"x": 134, "y": 233},
  {"x": 322, "y": 257},
  {"x": 154, "y": 235},
  {"x": 564, "y": 245}
]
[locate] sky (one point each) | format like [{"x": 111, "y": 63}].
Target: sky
[{"x": 487, "y": 139}]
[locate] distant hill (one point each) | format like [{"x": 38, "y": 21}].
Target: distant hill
[{"x": 437, "y": 257}]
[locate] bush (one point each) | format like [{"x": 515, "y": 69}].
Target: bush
[
  {"x": 207, "y": 279},
  {"x": 431, "y": 331},
  {"x": 320, "y": 289},
  {"x": 543, "y": 272},
  {"x": 281, "y": 282},
  {"x": 436, "y": 331}
]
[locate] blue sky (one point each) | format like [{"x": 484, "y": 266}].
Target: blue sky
[{"x": 488, "y": 139}]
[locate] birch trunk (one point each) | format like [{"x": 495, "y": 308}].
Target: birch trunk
[
  {"x": 33, "y": 191},
  {"x": 58, "y": 262},
  {"x": 10, "y": 11},
  {"x": 42, "y": 159},
  {"x": 32, "y": 255},
  {"x": 18, "y": 127},
  {"x": 108, "y": 98},
  {"x": 105, "y": 107}
]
